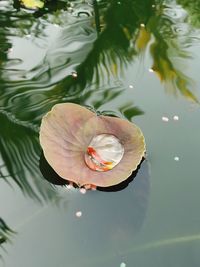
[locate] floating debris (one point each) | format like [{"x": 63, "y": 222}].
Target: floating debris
[
  {"x": 131, "y": 86},
  {"x": 74, "y": 74},
  {"x": 165, "y": 119},
  {"x": 151, "y": 70},
  {"x": 78, "y": 214},
  {"x": 123, "y": 264},
  {"x": 176, "y": 158},
  {"x": 82, "y": 190},
  {"x": 176, "y": 118},
  {"x": 69, "y": 186}
]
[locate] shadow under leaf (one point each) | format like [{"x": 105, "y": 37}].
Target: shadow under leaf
[{"x": 50, "y": 175}]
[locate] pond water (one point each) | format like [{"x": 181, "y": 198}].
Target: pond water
[{"x": 137, "y": 59}]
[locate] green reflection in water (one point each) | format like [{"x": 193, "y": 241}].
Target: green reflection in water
[
  {"x": 20, "y": 154},
  {"x": 192, "y": 7},
  {"x": 5, "y": 233},
  {"x": 122, "y": 38},
  {"x": 114, "y": 48},
  {"x": 166, "y": 50}
]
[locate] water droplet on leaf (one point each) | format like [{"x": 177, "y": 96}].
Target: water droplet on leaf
[{"x": 104, "y": 152}]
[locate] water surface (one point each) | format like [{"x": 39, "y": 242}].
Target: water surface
[{"x": 135, "y": 59}]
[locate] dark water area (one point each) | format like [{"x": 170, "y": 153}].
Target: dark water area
[{"x": 135, "y": 59}]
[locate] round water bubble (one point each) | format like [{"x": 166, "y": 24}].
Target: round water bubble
[{"x": 104, "y": 152}]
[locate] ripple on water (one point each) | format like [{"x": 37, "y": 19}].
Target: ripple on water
[
  {"x": 175, "y": 12},
  {"x": 175, "y": 23},
  {"x": 37, "y": 55},
  {"x": 29, "y": 81},
  {"x": 19, "y": 154}
]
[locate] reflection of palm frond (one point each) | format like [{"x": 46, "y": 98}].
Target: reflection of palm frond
[
  {"x": 101, "y": 95},
  {"x": 5, "y": 233},
  {"x": 143, "y": 38},
  {"x": 112, "y": 50},
  {"x": 22, "y": 25},
  {"x": 20, "y": 154},
  {"x": 175, "y": 81},
  {"x": 129, "y": 111},
  {"x": 192, "y": 7}
]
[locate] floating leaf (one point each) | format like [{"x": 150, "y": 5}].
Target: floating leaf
[{"x": 67, "y": 133}]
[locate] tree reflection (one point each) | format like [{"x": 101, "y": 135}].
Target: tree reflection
[
  {"x": 20, "y": 153},
  {"x": 174, "y": 79},
  {"x": 126, "y": 29},
  {"x": 166, "y": 49},
  {"x": 124, "y": 37},
  {"x": 19, "y": 146},
  {"x": 192, "y": 7},
  {"x": 5, "y": 233},
  {"x": 113, "y": 48}
]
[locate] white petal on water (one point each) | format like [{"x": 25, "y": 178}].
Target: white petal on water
[
  {"x": 151, "y": 70},
  {"x": 79, "y": 214},
  {"x": 82, "y": 190},
  {"x": 176, "y": 118},
  {"x": 69, "y": 186},
  {"x": 176, "y": 158},
  {"x": 74, "y": 74},
  {"x": 165, "y": 119}
]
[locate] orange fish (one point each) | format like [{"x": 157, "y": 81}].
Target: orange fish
[{"x": 92, "y": 152}]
